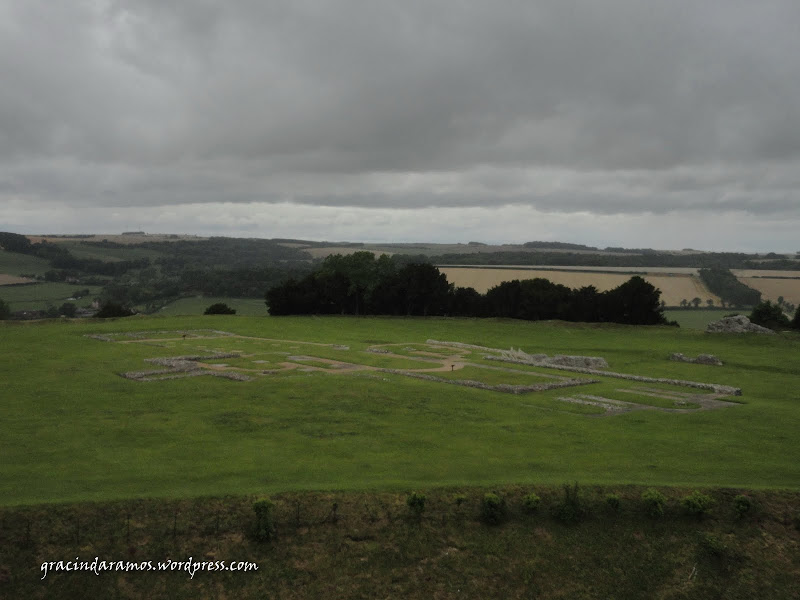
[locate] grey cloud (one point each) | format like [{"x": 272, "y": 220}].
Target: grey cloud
[{"x": 615, "y": 107}]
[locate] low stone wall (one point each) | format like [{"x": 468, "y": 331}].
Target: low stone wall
[
  {"x": 702, "y": 359},
  {"x": 521, "y": 357},
  {"x": 716, "y": 388},
  {"x": 501, "y": 387}
]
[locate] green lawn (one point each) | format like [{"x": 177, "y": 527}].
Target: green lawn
[
  {"x": 73, "y": 429},
  {"x": 196, "y": 305},
  {"x": 13, "y": 263},
  {"x": 699, "y": 318},
  {"x": 41, "y": 295}
]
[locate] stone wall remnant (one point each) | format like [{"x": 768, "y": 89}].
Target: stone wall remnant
[
  {"x": 736, "y": 324},
  {"x": 701, "y": 359}
]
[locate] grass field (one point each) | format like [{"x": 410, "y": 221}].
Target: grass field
[
  {"x": 96, "y": 465},
  {"x": 699, "y": 318},
  {"x": 41, "y": 295},
  {"x": 79, "y": 250},
  {"x": 13, "y": 263},
  {"x": 196, "y": 305},
  {"x": 75, "y": 430}
]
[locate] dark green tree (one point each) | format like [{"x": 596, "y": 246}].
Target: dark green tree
[
  {"x": 467, "y": 302},
  {"x": 585, "y": 305},
  {"x": 769, "y": 315},
  {"x": 111, "y": 310},
  {"x": 5, "y": 310},
  {"x": 220, "y": 308},
  {"x": 360, "y": 270},
  {"x": 423, "y": 290},
  {"x": 725, "y": 284},
  {"x": 68, "y": 309},
  {"x": 635, "y": 302}
]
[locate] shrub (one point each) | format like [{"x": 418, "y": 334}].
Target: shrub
[
  {"x": 493, "y": 509},
  {"x": 5, "y": 310},
  {"x": 654, "y": 502},
  {"x": 571, "y": 508},
  {"x": 713, "y": 545},
  {"x": 613, "y": 502},
  {"x": 530, "y": 503},
  {"x": 697, "y": 504},
  {"x": 220, "y": 308},
  {"x": 769, "y": 315},
  {"x": 265, "y": 525},
  {"x": 795, "y": 324},
  {"x": 742, "y": 506},
  {"x": 68, "y": 309},
  {"x": 460, "y": 499},
  {"x": 110, "y": 310},
  {"x": 416, "y": 503}
]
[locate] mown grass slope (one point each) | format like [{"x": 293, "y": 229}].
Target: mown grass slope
[
  {"x": 74, "y": 430},
  {"x": 196, "y": 305}
]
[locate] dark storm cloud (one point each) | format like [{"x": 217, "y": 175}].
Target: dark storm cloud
[{"x": 610, "y": 107}]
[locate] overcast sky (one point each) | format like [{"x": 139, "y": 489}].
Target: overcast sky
[{"x": 641, "y": 123}]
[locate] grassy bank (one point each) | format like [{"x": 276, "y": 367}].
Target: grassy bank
[
  {"x": 74, "y": 430},
  {"x": 368, "y": 545}
]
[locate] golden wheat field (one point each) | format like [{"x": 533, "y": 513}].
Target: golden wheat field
[
  {"x": 13, "y": 279},
  {"x": 771, "y": 288},
  {"x": 674, "y": 288}
]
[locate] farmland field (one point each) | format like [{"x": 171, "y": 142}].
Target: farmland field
[
  {"x": 772, "y": 288},
  {"x": 674, "y": 287},
  {"x": 14, "y": 280},
  {"x": 12, "y": 263},
  {"x": 41, "y": 295},
  {"x": 76, "y": 429}
]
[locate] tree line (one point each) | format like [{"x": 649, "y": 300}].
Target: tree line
[
  {"x": 361, "y": 284},
  {"x": 724, "y": 284},
  {"x": 621, "y": 257}
]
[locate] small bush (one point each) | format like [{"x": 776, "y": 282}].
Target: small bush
[
  {"x": 5, "y": 310},
  {"x": 265, "y": 525},
  {"x": 712, "y": 545},
  {"x": 111, "y": 310},
  {"x": 613, "y": 502},
  {"x": 742, "y": 506},
  {"x": 697, "y": 504},
  {"x": 460, "y": 499},
  {"x": 416, "y": 503},
  {"x": 493, "y": 509},
  {"x": 530, "y": 503},
  {"x": 220, "y": 308},
  {"x": 654, "y": 502},
  {"x": 570, "y": 509}
]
